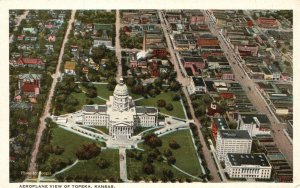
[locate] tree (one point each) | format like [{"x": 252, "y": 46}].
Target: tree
[
  {"x": 171, "y": 160},
  {"x": 152, "y": 140},
  {"x": 200, "y": 111},
  {"x": 161, "y": 103},
  {"x": 137, "y": 89},
  {"x": 168, "y": 174},
  {"x": 176, "y": 97},
  {"x": 130, "y": 81},
  {"x": 169, "y": 107},
  {"x": 148, "y": 168},
  {"x": 206, "y": 99},
  {"x": 175, "y": 86},
  {"x": 152, "y": 92},
  {"x": 168, "y": 153},
  {"x": 158, "y": 82},
  {"x": 103, "y": 163},
  {"x": 91, "y": 93},
  {"x": 173, "y": 144},
  {"x": 88, "y": 151}
]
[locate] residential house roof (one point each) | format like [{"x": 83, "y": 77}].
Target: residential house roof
[{"x": 70, "y": 65}]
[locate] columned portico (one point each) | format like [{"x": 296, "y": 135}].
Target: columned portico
[{"x": 119, "y": 114}]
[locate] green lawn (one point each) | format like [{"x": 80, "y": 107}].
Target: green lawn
[
  {"x": 90, "y": 168},
  {"x": 102, "y": 91},
  {"x": 138, "y": 130},
  {"x": 152, "y": 101},
  {"x": 81, "y": 97},
  {"x": 102, "y": 128},
  {"x": 186, "y": 158},
  {"x": 134, "y": 168},
  {"x": 71, "y": 142}
]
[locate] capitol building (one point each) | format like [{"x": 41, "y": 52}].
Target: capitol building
[{"x": 120, "y": 115}]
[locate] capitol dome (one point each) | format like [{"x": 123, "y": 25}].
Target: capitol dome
[{"x": 121, "y": 88}]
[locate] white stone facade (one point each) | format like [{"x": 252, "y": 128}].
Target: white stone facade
[
  {"x": 255, "y": 124},
  {"x": 120, "y": 115},
  {"x": 256, "y": 166},
  {"x": 232, "y": 144}
]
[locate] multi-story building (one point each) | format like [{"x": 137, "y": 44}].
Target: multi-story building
[
  {"x": 218, "y": 123},
  {"x": 119, "y": 115},
  {"x": 249, "y": 166},
  {"x": 232, "y": 141},
  {"x": 255, "y": 124},
  {"x": 197, "y": 85}
]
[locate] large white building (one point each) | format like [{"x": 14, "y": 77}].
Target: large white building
[
  {"x": 255, "y": 124},
  {"x": 249, "y": 166},
  {"x": 119, "y": 115},
  {"x": 232, "y": 141}
]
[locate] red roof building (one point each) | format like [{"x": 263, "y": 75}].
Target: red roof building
[
  {"x": 247, "y": 50},
  {"x": 154, "y": 68},
  {"x": 30, "y": 89},
  {"x": 200, "y": 19},
  {"x": 30, "y": 62},
  {"x": 208, "y": 42},
  {"x": 267, "y": 22},
  {"x": 227, "y": 95}
]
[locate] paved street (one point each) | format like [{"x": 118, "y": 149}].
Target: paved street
[
  {"x": 42, "y": 126},
  {"x": 123, "y": 165},
  {"x": 256, "y": 99},
  {"x": 208, "y": 158},
  {"x": 118, "y": 46}
]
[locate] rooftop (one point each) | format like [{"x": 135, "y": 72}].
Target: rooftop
[
  {"x": 235, "y": 134},
  {"x": 237, "y": 159},
  {"x": 251, "y": 118},
  {"x": 70, "y": 65},
  {"x": 94, "y": 108},
  {"x": 141, "y": 109},
  {"x": 221, "y": 123},
  {"x": 198, "y": 81}
]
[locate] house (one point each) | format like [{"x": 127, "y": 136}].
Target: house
[
  {"x": 99, "y": 42},
  {"x": 20, "y": 106},
  {"x": 30, "y": 30},
  {"x": 69, "y": 67},
  {"x": 29, "y": 84},
  {"x": 28, "y": 62},
  {"x": 197, "y": 85},
  {"x": 255, "y": 124},
  {"x": 50, "y": 48},
  {"x": 21, "y": 37},
  {"x": 85, "y": 70},
  {"x": 51, "y": 38}
]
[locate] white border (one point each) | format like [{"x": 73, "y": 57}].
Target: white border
[{"x": 5, "y": 5}]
